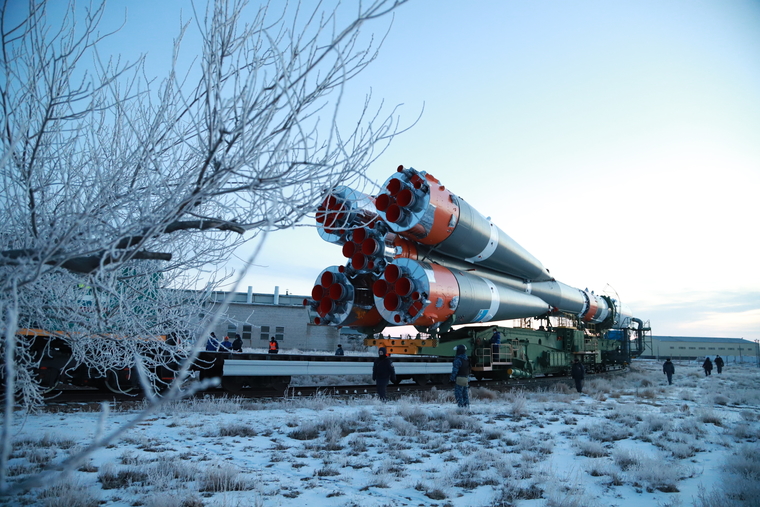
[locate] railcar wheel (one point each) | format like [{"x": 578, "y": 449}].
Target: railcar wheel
[
  {"x": 421, "y": 380},
  {"x": 111, "y": 382},
  {"x": 233, "y": 385}
]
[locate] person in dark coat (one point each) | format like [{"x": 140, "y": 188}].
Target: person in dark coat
[
  {"x": 707, "y": 365},
  {"x": 719, "y": 363},
  {"x": 212, "y": 344},
  {"x": 495, "y": 342},
  {"x": 578, "y": 373},
  {"x": 460, "y": 375},
  {"x": 669, "y": 369},
  {"x": 274, "y": 347},
  {"x": 383, "y": 372},
  {"x": 339, "y": 350},
  {"x": 237, "y": 345}
]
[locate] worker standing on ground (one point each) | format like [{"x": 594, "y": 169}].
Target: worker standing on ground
[
  {"x": 460, "y": 375},
  {"x": 578, "y": 373},
  {"x": 707, "y": 365},
  {"x": 383, "y": 372},
  {"x": 719, "y": 363},
  {"x": 274, "y": 347},
  {"x": 339, "y": 350},
  {"x": 669, "y": 369}
]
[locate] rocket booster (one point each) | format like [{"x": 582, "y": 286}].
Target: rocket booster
[
  {"x": 418, "y": 207},
  {"x": 427, "y": 294},
  {"x": 423, "y": 256}
]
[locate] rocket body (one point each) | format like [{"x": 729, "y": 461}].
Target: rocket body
[{"x": 420, "y": 255}]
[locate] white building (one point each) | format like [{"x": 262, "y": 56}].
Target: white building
[
  {"x": 687, "y": 347},
  {"x": 258, "y": 317}
]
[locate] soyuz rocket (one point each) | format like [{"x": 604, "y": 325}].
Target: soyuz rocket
[{"x": 417, "y": 254}]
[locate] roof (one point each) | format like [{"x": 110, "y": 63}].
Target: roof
[{"x": 699, "y": 339}]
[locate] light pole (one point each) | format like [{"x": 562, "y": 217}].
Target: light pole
[{"x": 757, "y": 352}]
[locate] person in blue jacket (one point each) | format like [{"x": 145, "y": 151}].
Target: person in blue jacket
[
  {"x": 495, "y": 342},
  {"x": 212, "y": 344},
  {"x": 460, "y": 376}
]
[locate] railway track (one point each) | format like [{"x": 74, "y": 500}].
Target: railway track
[{"x": 72, "y": 397}]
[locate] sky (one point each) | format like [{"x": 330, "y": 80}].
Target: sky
[{"x": 616, "y": 141}]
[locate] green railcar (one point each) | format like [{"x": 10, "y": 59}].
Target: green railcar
[{"x": 525, "y": 353}]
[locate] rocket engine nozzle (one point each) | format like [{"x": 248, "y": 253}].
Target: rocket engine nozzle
[
  {"x": 342, "y": 211},
  {"x": 338, "y": 300}
]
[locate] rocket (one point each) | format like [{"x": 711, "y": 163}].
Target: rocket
[{"x": 418, "y": 254}]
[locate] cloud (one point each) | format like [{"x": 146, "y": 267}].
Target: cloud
[{"x": 716, "y": 314}]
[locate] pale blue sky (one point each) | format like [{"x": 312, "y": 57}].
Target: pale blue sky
[{"x": 618, "y": 142}]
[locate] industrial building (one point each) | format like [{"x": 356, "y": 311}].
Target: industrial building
[
  {"x": 258, "y": 317},
  {"x": 687, "y": 347}
]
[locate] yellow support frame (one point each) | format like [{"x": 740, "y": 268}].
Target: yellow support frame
[{"x": 401, "y": 346}]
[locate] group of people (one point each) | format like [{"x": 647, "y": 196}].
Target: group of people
[
  {"x": 214, "y": 345},
  {"x": 669, "y": 369}
]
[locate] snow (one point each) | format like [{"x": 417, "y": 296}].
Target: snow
[{"x": 516, "y": 448}]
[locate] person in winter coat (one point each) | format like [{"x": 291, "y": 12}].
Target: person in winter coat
[
  {"x": 212, "y": 344},
  {"x": 460, "y": 375},
  {"x": 669, "y": 369},
  {"x": 226, "y": 344},
  {"x": 383, "y": 372},
  {"x": 578, "y": 374},
  {"x": 274, "y": 347},
  {"x": 237, "y": 345},
  {"x": 495, "y": 342},
  {"x": 707, "y": 365},
  {"x": 719, "y": 363},
  {"x": 339, "y": 351}
]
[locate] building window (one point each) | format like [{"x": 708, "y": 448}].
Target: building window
[
  {"x": 265, "y": 333},
  {"x": 710, "y": 348},
  {"x": 692, "y": 348},
  {"x": 724, "y": 348},
  {"x": 671, "y": 348},
  {"x": 279, "y": 333},
  {"x": 681, "y": 348},
  {"x": 701, "y": 348},
  {"x": 247, "y": 331},
  {"x": 231, "y": 330},
  {"x": 729, "y": 348}
]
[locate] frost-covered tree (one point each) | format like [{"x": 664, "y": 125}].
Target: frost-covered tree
[{"x": 118, "y": 189}]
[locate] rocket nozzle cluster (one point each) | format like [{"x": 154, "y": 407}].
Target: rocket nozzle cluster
[{"x": 419, "y": 255}]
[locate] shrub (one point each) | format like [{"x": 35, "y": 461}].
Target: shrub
[
  {"x": 110, "y": 478},
  {"x": 237, "y": 430},
  {"x": 625, "y": 459},
  {"x": 590, "y": 449},
  {"x": 222, "y": 477},
  {"x": 306, "y": 431},
  {"x": 656, "y": 473},
  {"x": 68, "y": 494},
  {"x": 707, "y": 416},
  {"x": 606, "y": 431}
]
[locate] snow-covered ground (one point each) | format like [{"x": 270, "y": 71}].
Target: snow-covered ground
[{"x": 630, "y": 441}]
